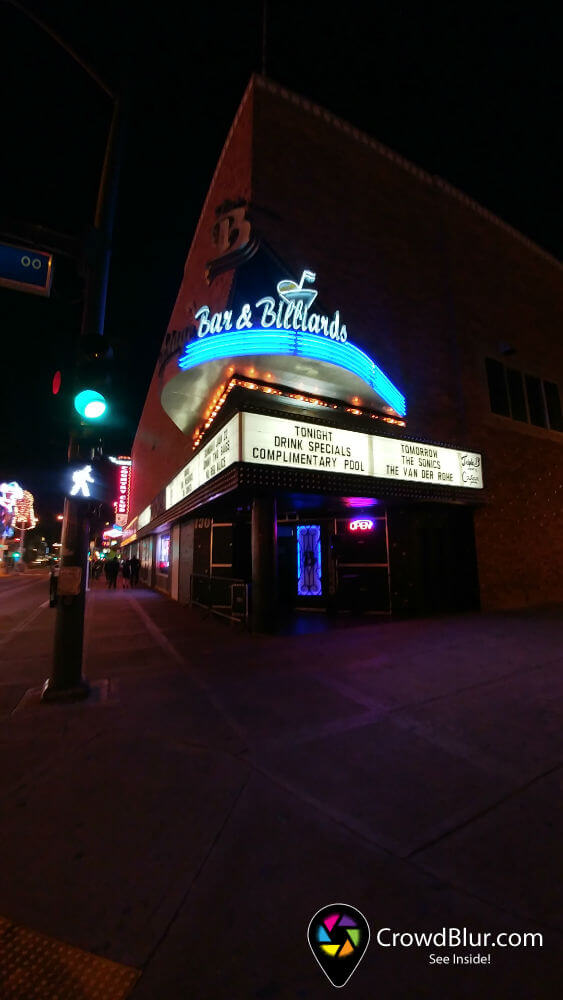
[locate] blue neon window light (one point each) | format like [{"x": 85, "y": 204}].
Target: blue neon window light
[
  {"x": 309, "y": 569},
  {"x": 286, "y": 342}
]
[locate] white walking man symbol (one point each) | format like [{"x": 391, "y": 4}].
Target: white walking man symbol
[{"x": 80, "y": 479}]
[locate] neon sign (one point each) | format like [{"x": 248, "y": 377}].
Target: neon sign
[
  {"x": 10, "y": 493},
  {"x": 257, "y": 342},
  {"x": 164, "y": 553},
  {"x": 16, "y": 509},
  {"x": 289, "y": 312},
  {"x": 115, "y": 532},
  {"x": 23, "y": 510},
  {"x": 309, "y": 570},
  {"x": 362, "y": 524},
  {"x": 124, "y": 488},
  {"x": 285, "y": 325}
]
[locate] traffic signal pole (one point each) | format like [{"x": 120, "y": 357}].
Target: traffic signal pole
[{"x": 67, "y": 682}]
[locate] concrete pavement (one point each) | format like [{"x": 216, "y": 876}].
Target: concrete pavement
[{"x": 220, "y": 788}]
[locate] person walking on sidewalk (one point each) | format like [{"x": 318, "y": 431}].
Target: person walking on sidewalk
[
  {"x": 126, "y": 572},
  {"x": 112, "y": 568},
  {"x": 134, "y": 567},
  {"x": 114, "y": 573}
]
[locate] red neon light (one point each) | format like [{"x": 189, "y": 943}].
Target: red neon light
[
  {"x": 123, "y": 489},
  {"x": 361, "y": 524}
]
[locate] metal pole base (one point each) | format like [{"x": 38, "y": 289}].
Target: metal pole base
[{"x": 51, "y": 694}]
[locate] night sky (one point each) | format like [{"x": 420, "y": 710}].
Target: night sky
[{"x": 472, "y": 95}]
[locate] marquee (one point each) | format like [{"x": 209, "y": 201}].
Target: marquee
[{"x": 300, "y": 444}]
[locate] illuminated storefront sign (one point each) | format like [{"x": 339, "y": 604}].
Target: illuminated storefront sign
[
  {"x": 290, "y": 311},
  {"x": 163, "y": 558},
  {"x": 115, "y": 532},
  {"x": 123, "y": 490},
  {"x": 298, "y": 444},
  {"x": 286, "y": 326},
  {"x": 144, "y": 517},
  {"x": 217, "y": 455}
]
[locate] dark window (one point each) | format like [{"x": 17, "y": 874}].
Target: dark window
[
  {"x": 498, "y": 394},
  {"x": 535, "y": 401},
  {"x": 516, "y": 393},
  {"x": 553, "y": 406},
  {"x": 222, "y": 550}
]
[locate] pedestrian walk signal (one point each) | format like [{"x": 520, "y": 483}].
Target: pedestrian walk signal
[
  {"x": 80, "y": 480},
  {"x": 93, "y": 481}
]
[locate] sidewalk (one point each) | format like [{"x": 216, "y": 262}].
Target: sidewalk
[{"x": 219, "y": 788}]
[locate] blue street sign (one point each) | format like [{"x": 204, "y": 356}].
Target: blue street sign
[{"x": 25, "y": 270}]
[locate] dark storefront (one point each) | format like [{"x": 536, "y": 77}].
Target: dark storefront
[{"x": 292, "y": 540}]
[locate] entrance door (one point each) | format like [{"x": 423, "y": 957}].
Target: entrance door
[
  {"x": 301, "y": 565},
  {"x": 186, "y": 561},
  {"x": 287, "y": 564},
  {"x": 362, "y": 565}
]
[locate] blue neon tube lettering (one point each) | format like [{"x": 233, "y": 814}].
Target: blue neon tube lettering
[{"x": 288, "y": 342}]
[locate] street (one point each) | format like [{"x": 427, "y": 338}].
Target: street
[
  {"x": 218, "y": 788},
  {"x": 26, "y": 622}
]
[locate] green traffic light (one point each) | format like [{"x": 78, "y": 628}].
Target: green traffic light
[{"x": 90, "y": 404}]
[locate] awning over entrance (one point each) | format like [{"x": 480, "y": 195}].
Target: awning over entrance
[{"x": 305, "y": 362}]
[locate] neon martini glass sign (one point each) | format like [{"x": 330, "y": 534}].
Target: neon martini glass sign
[
  {"x": 286, "y": 325},
  {"x": 289, "y": 312}
]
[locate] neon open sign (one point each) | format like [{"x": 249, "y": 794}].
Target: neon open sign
[{"x": 362, "y": 524}]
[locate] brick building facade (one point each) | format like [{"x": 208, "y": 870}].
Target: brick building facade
[{"x": 461, "y": 312}]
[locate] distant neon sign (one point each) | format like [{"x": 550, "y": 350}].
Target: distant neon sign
[
  {"x": 121, "y": 505},
  {"x": 362, "y": 524},
  {"x": 10, "y": 493},
  {"x": 115, "y": 532}
]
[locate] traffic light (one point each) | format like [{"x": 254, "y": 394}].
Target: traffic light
[
  {"x": 92, "y": 380},
  {"x": 90, "y": 404}
]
